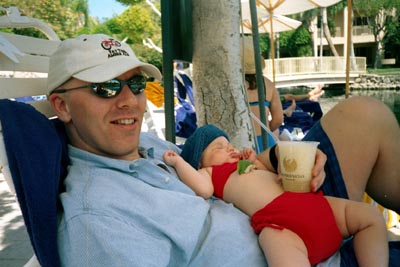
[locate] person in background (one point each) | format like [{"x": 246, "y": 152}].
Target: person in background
[
  {"x": 272, "y": 103},
  {"x": 314, "y": 95}
]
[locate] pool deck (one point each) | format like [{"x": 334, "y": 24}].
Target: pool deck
[{"x": 15, "y": 247}]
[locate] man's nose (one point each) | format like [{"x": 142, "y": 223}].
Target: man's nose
[{"x": 126, "y": 97}]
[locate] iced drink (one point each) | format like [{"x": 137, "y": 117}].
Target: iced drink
[{"x": 296, "y": 159}]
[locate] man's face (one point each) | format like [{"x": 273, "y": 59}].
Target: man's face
[{"x": 104, "y": 126}]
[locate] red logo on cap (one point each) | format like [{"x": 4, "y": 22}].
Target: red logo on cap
[
  {"x": 108, "y": 44},
  {"x": 111, "y": 45}
]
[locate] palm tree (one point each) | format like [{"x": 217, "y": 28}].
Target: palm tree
[
  {"x": 327, "y": 32},
  {"x": 81, "y": 7}
]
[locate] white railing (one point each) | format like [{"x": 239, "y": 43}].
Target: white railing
[
  {"x": 362, "y": 30},
  {"x": 356, "y": 31},
  {"x": 314, "y": 65}
]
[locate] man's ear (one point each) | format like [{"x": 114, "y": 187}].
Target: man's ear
[{"x": 60, "y": 107}]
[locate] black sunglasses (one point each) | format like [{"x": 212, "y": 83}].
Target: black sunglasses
[{"x": 110, "y": 88}]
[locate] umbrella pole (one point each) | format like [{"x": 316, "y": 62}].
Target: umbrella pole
[
  {"x": 349, "y": 23},
  {"x": 272, "y": 46},
  {"x": 259, "y": 76}
]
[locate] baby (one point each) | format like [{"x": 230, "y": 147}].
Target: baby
[{"x": 295, "y": 229}]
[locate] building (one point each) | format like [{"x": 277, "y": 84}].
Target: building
[{"x": 362, "y": 37}]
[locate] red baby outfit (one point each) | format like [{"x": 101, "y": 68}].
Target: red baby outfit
[
  {"x": 220, "y": 175},
  {"x": 307, "y": 214}
]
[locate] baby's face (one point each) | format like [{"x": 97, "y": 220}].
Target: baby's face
[{"x": 219, "y": 151}]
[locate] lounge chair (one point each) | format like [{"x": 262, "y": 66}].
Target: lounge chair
[{"x": 28, "y": 164}]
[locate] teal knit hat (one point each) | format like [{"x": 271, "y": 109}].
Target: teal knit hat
[{"x": 198, "y": 142}]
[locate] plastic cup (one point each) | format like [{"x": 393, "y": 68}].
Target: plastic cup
[{"x": 296, "y": 160}]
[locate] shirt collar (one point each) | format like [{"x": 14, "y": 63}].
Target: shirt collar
[{"x": 146, "y": 152}]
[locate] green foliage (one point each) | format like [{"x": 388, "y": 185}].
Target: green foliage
[
  {"x": 82, "y": 7},
  {"x": 135, "y": 24},
  {"x": 381, "y": 19},
  {"x": 130, "y": 2},
  {"x": 98, "y": 28},
  {"x": 138, "y": 23},
  {"x": 295, "y": 43},
  {"x": 384, "y": 71},
  {"x": 265, "y": 45},
  {"x": 113, "y": 25},
  {"x": 301, "y": 36},
  {"x": 148, "y": 55},
  {"x": 371, "y": 8},
  {"x": 59, "y": 14},
  {"x": 69, "y": 18},
  {"x": 391, "y": 41},
  {"x": 137, "y": 29},
  {"x": 299, "y": 43}
]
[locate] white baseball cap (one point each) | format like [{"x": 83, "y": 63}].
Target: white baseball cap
[{"x": 94, "y": 58}]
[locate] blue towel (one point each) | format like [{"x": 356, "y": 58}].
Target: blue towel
[
  {"x": 348, "y": 258},
  {"x": 185, "y": 89},
  {"x": 185, "y": 114},
  {"x": 37, "y": 155}
]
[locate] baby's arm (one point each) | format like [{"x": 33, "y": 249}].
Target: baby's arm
[
  {"x": 250, "y": 154},
  {"x": 198, "y": 181}
]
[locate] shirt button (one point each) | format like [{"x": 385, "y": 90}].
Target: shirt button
[
  {"x": 167, "y": 179},
  {"x": 132, "y": 166}
]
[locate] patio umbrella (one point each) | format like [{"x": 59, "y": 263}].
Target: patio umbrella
[
  {"x": 279, "y": 23},
  {"x": 284, "y": 7}
]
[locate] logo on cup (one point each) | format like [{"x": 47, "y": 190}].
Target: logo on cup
[{"x": 290, "y": 165}]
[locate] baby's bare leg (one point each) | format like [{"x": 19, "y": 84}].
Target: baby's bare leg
[
  {"x": 366, "y": 223},
  {"x": 283, "y": 248}
]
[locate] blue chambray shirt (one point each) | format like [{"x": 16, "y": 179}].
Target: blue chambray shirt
[{"x": 138, "y": 213}]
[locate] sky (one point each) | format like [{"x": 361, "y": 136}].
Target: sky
[{"x": 105, "y": 8}]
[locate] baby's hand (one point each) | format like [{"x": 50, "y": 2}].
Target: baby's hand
[
  {"x": 170, "y": 157},
  {"x": 249, "y": 154}
]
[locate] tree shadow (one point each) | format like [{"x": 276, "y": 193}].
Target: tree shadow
[{"x": 15, "y": 246}]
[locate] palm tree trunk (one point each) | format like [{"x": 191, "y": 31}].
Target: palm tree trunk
[
  {"x": 217, "y": 79},
  {"x": 352, "y": 53},
  {"x": 327, "y": 32}
]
